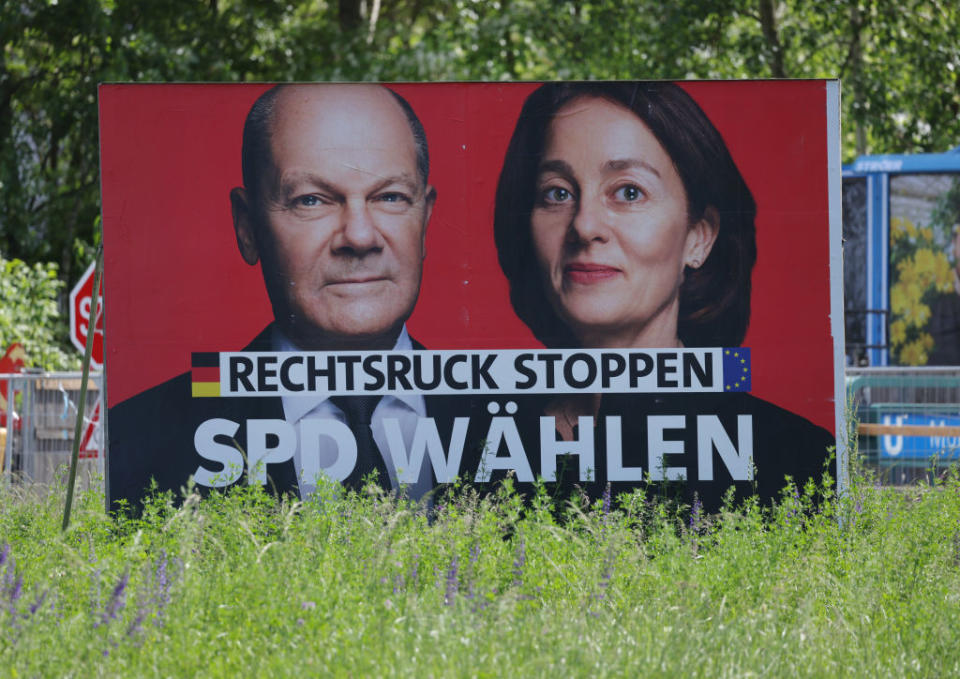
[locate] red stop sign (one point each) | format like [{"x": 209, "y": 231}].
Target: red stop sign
[{"x": 81, "y": 305}]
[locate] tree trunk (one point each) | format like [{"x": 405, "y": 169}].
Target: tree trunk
[
  {"x": 349, "y": 15},
  {"x": 768, "y": 22},
  {"x": 856, "y": 76}
]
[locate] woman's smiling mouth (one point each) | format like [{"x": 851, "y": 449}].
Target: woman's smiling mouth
[{"x": 589, "y": 272}]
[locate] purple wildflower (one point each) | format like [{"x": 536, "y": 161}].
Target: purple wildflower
[
  {"x": 606, "y": 575},
  {"x": 452, "y": 583},
  {"x": 472, "y": 570},
  {"x": 13, "y": 588},
  {"x": 137, "y": 625},
  {"x": 161, "y": 585},
  {"x": 118, "y": 595},
  {"x": 135, "y": 628},
  {"x": 605, "y": 581},
  {"x": 519, "y": 562},
  {"x": 160, "y": 574},
  {"x": 95, "y": 603},
  {"x": 4, "y": 553},
  {"x": 9, "y": 573},
  {"x": 14, "y": 591},
  {"x": 414, "y": 569},
  {"x": 474, "y": 553},
  {"x": 695, "y": 514},
  {"x": 117, "y": 600},
  {"x": 606, "y": 499},
  {"x": 38, "y": 602},
  {"x": 792, "y": 513}
]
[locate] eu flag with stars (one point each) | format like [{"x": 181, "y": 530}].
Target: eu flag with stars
[{"x": 736, "y": 369}]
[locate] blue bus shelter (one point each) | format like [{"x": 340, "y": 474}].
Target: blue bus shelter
[{"x": 894, "y": 206}]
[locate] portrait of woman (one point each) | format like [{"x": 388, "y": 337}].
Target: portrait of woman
[{"x": 621, "y": 220}]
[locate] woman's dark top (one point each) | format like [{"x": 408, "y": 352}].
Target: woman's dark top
[{"x": 783, "y": 444}]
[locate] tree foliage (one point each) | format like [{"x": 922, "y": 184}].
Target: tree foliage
[
  {"x": 899, "y": 63},
  {"x": 29, "y": 314}
]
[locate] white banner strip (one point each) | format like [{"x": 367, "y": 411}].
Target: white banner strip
[{"x": 541, "y": 371}]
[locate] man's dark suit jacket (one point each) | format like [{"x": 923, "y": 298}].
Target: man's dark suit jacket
[{"x": 151, "y": 434}]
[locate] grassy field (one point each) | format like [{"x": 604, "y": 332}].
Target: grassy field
[{"x": 365, "y": 586}]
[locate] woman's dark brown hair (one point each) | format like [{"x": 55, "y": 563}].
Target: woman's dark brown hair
[{"x": 715, "y": 298}]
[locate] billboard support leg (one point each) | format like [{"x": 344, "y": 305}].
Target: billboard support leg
[{"x": 81, "y": 405}]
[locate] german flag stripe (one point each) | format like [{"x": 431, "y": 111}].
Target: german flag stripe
[
  {"x": 202, "y": 389},
  {"x": 206, "y": 359},
  {"x": 205, "y": 374}
]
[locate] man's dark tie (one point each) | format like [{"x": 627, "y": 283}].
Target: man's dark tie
[{"x": 359, "y": 412}]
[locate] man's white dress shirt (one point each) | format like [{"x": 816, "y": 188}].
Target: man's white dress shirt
[{"x": 405, "y": 409}]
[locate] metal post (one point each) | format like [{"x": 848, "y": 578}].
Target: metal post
[
  {"x": 78, "y": 431},
  {"x": 102, "y": 400},
  {"x": 8, "y": 453},
  {"x": 27, "y": 433}
]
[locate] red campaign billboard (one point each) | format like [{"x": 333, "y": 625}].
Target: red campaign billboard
[{"x": 593, "y": 283}]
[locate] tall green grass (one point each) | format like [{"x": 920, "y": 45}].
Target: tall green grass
[{"x": 364, "y": 585}]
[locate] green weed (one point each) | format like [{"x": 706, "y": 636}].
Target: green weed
[{"x": 366, "y": 584}]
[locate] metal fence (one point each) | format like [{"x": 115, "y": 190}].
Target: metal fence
[
  {"x": 37, "y": 436},
  {"x": 908, "y": 420}
]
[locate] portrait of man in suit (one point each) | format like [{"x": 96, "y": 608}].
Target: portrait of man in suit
[{"x": 334, "y": 207}]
